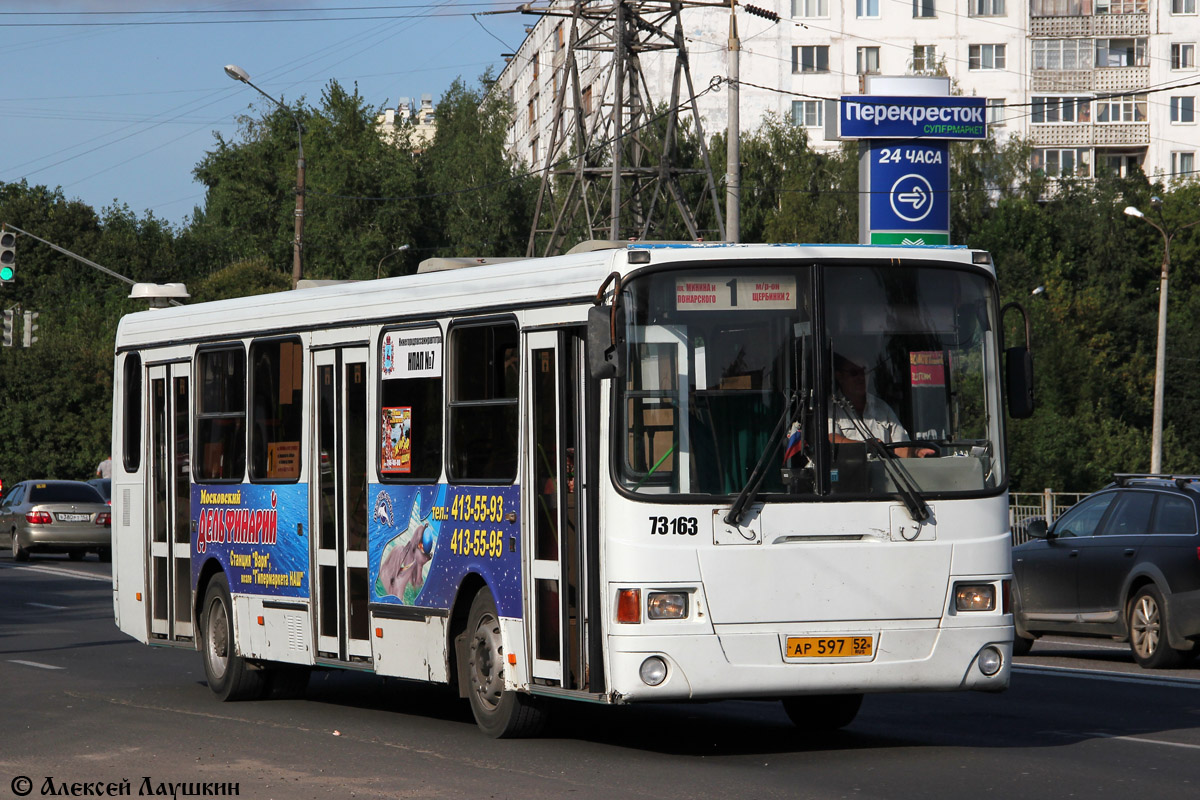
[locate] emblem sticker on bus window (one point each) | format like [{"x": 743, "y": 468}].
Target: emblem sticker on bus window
[{"x": 724, "y": 293}]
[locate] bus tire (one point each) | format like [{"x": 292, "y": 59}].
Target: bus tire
[
  {"x": 1021, "y": 645},
  {"x": 819, "y": 713},
  {"x": 500, "y": 713},
  {"x": 229, "y": 675}
]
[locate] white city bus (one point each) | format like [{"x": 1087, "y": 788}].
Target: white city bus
[{"x": 607, "y": 476}]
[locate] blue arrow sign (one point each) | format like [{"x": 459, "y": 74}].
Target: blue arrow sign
[{"x": 910, "y": 185}]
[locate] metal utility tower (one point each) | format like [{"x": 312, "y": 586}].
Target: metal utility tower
[{"x": 612, "y": 168}]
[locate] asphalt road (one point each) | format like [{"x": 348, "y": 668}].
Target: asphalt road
[{"x": 83, "y": 708}]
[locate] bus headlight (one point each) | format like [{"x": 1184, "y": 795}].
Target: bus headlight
[
  {"x": 667, "y": 605},
  {"x": 990, "y": 661},
  {"x": 974, "y": 597},
  {"x": 653, "y": 671}
]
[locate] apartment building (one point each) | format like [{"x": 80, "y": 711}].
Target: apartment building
[{"x": 1094, "y": 84}]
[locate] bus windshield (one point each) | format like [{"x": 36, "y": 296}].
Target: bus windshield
[{"x": 800, "y": 367}]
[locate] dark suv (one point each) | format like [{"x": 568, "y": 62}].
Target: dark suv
[{"x": 1123, "y": 563}]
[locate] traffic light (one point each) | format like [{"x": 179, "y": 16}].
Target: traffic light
[
  {"x": 8, "y": 256},
  {"x": 31, "y": 327},
  {"x": 8, "y": 327}
]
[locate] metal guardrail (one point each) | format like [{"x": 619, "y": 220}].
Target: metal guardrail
[{"x": 1047, "y": 505}]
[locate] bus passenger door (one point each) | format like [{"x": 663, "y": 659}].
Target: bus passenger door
[
  {"x": 170, "y": 545},
  {"x": 339, "y": 505},
  {"x": 562, "y": 594}
]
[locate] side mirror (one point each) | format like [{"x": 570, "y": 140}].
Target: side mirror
[
  {"x": 606, "y": 342},
  {"x": 1037, "y": 529},
  {"x": 1018, "y": 374},
  {"x": 1018, "y": 370}
]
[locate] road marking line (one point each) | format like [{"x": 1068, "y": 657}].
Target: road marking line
[
  {"x": 1144, "y": 740},
  {"x": 33, "y": 664},
  {"x": 47, "y": 605},
  {"x": 1102, "y": 675},
  {"x": 64, "y": 573}
]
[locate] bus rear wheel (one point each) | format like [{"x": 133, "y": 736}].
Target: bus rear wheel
[
  {"x": 500, "y": 713},
  {"x": 229, "y": 675},
  {"x": 822, "y": 712}
]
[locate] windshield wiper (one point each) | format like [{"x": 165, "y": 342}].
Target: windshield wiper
[
  {"x": 906, "y": 487},
  {"x": 759, "y": 473}
]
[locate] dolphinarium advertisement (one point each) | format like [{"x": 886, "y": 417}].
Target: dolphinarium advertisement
[
  {"x": 259, "y": 533},
  {"x": 425, "y": 539}
]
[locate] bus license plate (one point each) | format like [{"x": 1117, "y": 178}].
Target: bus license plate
[
  {"x": 73, "y": 517},
  {"x": 830, "y": 646}
]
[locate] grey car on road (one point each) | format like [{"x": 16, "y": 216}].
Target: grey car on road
[
  {"x": 1122, "y": 563},
  {"x": 55, "y": 517}
]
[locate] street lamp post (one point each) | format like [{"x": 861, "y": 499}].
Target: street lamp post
[
  {"x": 239, "y": 74},
  {"x": 1160, "y": 356},
  {"x": 388, "y": 255}
]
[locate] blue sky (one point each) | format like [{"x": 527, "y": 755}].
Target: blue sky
[{"x": 121, "y": 113}]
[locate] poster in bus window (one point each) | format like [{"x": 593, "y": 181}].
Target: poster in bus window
[
  {"x": 396, "y": 445},
  {"x": 927, "y": 368}
]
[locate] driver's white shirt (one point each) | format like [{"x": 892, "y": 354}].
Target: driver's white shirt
[{"x": 878, "y": 418}]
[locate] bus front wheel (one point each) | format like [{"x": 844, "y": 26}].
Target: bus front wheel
[
  {"x": 228, "y": 674},
  {"x": 499, "y": 712},
  {"x": 818, "y": 713}
]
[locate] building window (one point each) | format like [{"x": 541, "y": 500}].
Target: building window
[
  {"x": 924, "y": 58},
  {"x": 1183, "y": 110},
  {"x": 1183, "y": 56},
  {"x": 532, "y": 113},
  {"x": 587, "y": 100},
  {"x": 986, "y": 8},
  {"x": 410, "y": 404},
  {"x": 484, "y": 376},
  {"x": 221, "y": 415},
  {"x": 1061, "y": 8},
  {"x": 533, "y": 151},
  {"x": 1062, "y": 162},
  {"x": 810, "y": 58},
  {"x": 808, "y": 113},
  {"x": 924, "y": 8},
  {"x": 1183, "y": 6},
  {"x": 1062, "y": 54},
  {"x": 868, "y": 60},
  {"x": 869, "y": 8},
  {"x": 985, "y": 56},
  {"x": 996, "y": 111},
  {"x": 1120, "y": 52},
  {"x": 1183, "y": 163},
  {"x": 1051, "y": 110},
  {"x": 1120, "y": 164},
  {"x": 1121, "y": 7},
  {"x": 1122, "y": 109},
  {"x": 277, "y": 404},
  {"x": 810, "y": 8}
]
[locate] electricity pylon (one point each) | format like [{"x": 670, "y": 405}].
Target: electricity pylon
[{"x": 607, "y": 171}]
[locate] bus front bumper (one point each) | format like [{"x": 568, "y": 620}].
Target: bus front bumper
[{"x": 750, "y": 664}]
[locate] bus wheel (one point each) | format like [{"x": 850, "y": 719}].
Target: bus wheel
[
  {"x": 501, "y": 714},
  {"x": 822, "y": 712},
  {"x": 228, "y": 674}
]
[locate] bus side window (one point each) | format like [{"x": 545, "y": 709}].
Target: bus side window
[
  {"x": 221, "y": 414},
  {"x": 276, "y": 392},
  {"x": 132, "y": 418},
  {"x": 484, "y": 363}
]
